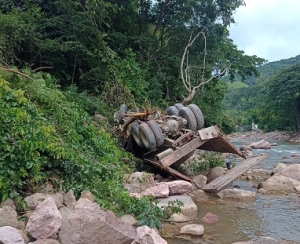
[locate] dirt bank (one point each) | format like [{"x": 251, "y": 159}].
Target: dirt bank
[{"x": 275, "y": 135}]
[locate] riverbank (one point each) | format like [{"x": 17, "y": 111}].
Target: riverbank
[{"x": 275, "y": 135}]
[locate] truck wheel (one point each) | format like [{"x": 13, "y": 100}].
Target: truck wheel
[
  {"x": 159, "y": 137},
  {"x": 198, "y": 114},
  {"x": 172, "y": 110},
  {"x": 178, "y": 106},
  {"x": 147, "y": 136},
  {"x": 136, "y": 134},
  {"x": 187, "y": 113}
]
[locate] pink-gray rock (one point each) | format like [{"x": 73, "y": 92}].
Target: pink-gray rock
[
  {"x": 279, "y": 184},
  {"x": 291, "y": 171},
  {"x": 84, "y": 203},
  {"x": 188, "y": 210},
  {"x": 262, "y": 144},
  {"x": 129, "y": 219},
  {"x": 178, "y": 187},
  {"x": 88, "y": 195},
  {"x": 8, "y": 216},
  {"x": 45, "y": 241},
  {"x": 215, "y": 173},
  {"x": 159, "y": 191},
  {"x": 95, "y": 226},
  {"x": 210, "y": 218},
  {"x": 8, "y": 202},
  {"x": 200, "y": 181},
  {"x": 45, "y": 220},
  {"x": 145, "y": 235},
  {"x": 34, "y": 200},
  {"x": 70, "y": 199},
  {"x": 10, "y": 235},
  {"x": 142, "y": 179},
  {"x": 132, "y": 188},
  {"x": 237, "y": 194},
  {"x": 192, "y": 229}
]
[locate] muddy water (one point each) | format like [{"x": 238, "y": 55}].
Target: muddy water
[{"x": 276, "y": 216}]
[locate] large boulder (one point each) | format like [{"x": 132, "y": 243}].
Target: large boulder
[
  {"x": 159, "y": 191},
  {"x": 34, "y": 200},
  {"x": 237, "y": 194},
  {"x": 10, "y": 235},
  {"x": 280, "y": 184},
  {"x": 291, "y": 171},
  {"x": 89, "y": 224},
  {"x": 215, "y": 173},
  {"x": 262, "y": 144},
  {"x": 142, "y": 179},
  {"x": 178, "y": 187},
  {"x": 192, "y": 229},
  {"x": 45, "y": 220},
  {"x": 200, "y": 181},
  {"x": 257, "y": 174},
  {"x": 188, "y": 210},
  {"x": 145, "y": 235},
  {"x": 8, "y": 216}
]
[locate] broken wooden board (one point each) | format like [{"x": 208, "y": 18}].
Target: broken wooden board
[{"x": 233, "y": 173}]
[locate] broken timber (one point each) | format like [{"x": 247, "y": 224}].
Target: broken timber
[{"x": 233, "y": 173}]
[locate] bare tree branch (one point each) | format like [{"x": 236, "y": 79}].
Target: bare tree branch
[{"x": 16, "y": 72}]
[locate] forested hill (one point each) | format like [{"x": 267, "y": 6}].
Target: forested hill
[{"x": 268, "y": 70}]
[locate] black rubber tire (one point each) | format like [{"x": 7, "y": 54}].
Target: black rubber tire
[
  {"x": 172, "y": 110},
  {"x": 187, "y": 113},
  {"x": 198, "y": 114},
  {"x": 178, "y": 106},
  {"x": 135, "y": 132},
  {"x": 147, "y": 136},
  {"x": 159, "y": 137}
]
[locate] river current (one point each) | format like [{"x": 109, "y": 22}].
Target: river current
[{"x": 276, "y": 216}]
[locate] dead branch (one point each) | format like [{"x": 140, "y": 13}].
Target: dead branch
[
  {"x": 40, "y": 68},
  {"x": 16, "y": 72}
]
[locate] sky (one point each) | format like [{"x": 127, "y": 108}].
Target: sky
[{"x": 269, "y": 29}]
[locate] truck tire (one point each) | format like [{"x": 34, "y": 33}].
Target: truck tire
[
  {"x": 136, "y": 133},
  {"x": 147, "y": 136},
  {"x": 159, "y": 137},
  {"x": 172, "y": 110},
  {"x": 187, "y": 113},
  {"x": 178, "y": 106},
  {"x": 198, "y": 114}
]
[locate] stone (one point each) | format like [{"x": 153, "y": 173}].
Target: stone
[
  {"x": 215, "y": 173},
  {"x": 279, "y": 184},
  {"x": 159, "y": 191},
  {"x": 129, "y": 219},
  {"x": 85, "y": 203},
  {"x": 291, "y": 171},
  {"x": 237, "y": 194},
  {"x": 8, "y": 202},
  {"x": 188, "y": 210},
  {"x": 34, "y": 200},
  {"x": 278, "y": 167},
  {"x": 145, "y": 235},
  {"x": 210, "y": 218},
  {"x": 178, "y": 187},
  {"x": 200, "y": 181},
  {"x": 262, "y": 144},
  {"x": 142, "y": 179},
  {"x": 45, "y": 220},
  {"x": 87, "y": 225},
  {"x": 132, "y": 188},
  {"x": 8, "y": 216},
  {"x": 69, "y": 199},
  {"x": 88, "y": 195},
  {"x": 10, "y": 235},
  {"x": 192, "y": 229},
  {"x": 45, "y": 241}
]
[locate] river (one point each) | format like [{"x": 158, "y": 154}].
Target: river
[{"x": 276, "y": 216}]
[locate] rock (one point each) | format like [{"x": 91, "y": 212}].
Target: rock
[
  {"x": 237, "y": 194},
  {"x": 8, "y": 216},
  {"x": 188, "y": 210},
  {"x": 132, "y": 188},
  {"x": 210, "y": 218},
  {"x": 258, "y": 174},
  {"x": 290, "y": 160},
  {"x": 70, "y": 199},
  {"x": 142, "y": 179},
  {"x": 200, "y": 181},
  {"x": 45, "y": 241},
  {"x": 262, "y": 191},
  {"x": 279, "y": 184},
  {"x": 192, "y": 229},
  {"x": 278, "y": 167},
  {"x": 129, "y": 219},
  {"x": 88, "y": 195},
  {"x": 215, "y": 173},
  {"x": 145, "y": 235},
  {"x": 45, "y": 220},
  {"x": 245, "y": 148},
  {"x": 10, "y": 235},
  {"x": 8, "y": 202},
  {"x": 34, "y": 200},
  {"x": 177, "y": 187},
  {"x": 92, "y": 225},
  {"x": 291, "y": 171},
  {"x": 159, "y": 191},
  {"x": 262, "y": 240},
  {"x": 262, "y": 144},
  {"x": 85, "y": 203}
]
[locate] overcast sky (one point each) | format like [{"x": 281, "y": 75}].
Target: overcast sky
[{"x": 269, "y": 29}]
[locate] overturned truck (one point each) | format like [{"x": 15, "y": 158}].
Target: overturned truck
[{"x": 169, "y": 138}]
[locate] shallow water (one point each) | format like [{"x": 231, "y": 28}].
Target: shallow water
[{"x": 276, "y": 216}]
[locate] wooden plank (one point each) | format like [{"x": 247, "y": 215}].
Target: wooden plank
[
  {"x": 169, "y": 170},
  {"x": 233, "y": 173}
]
